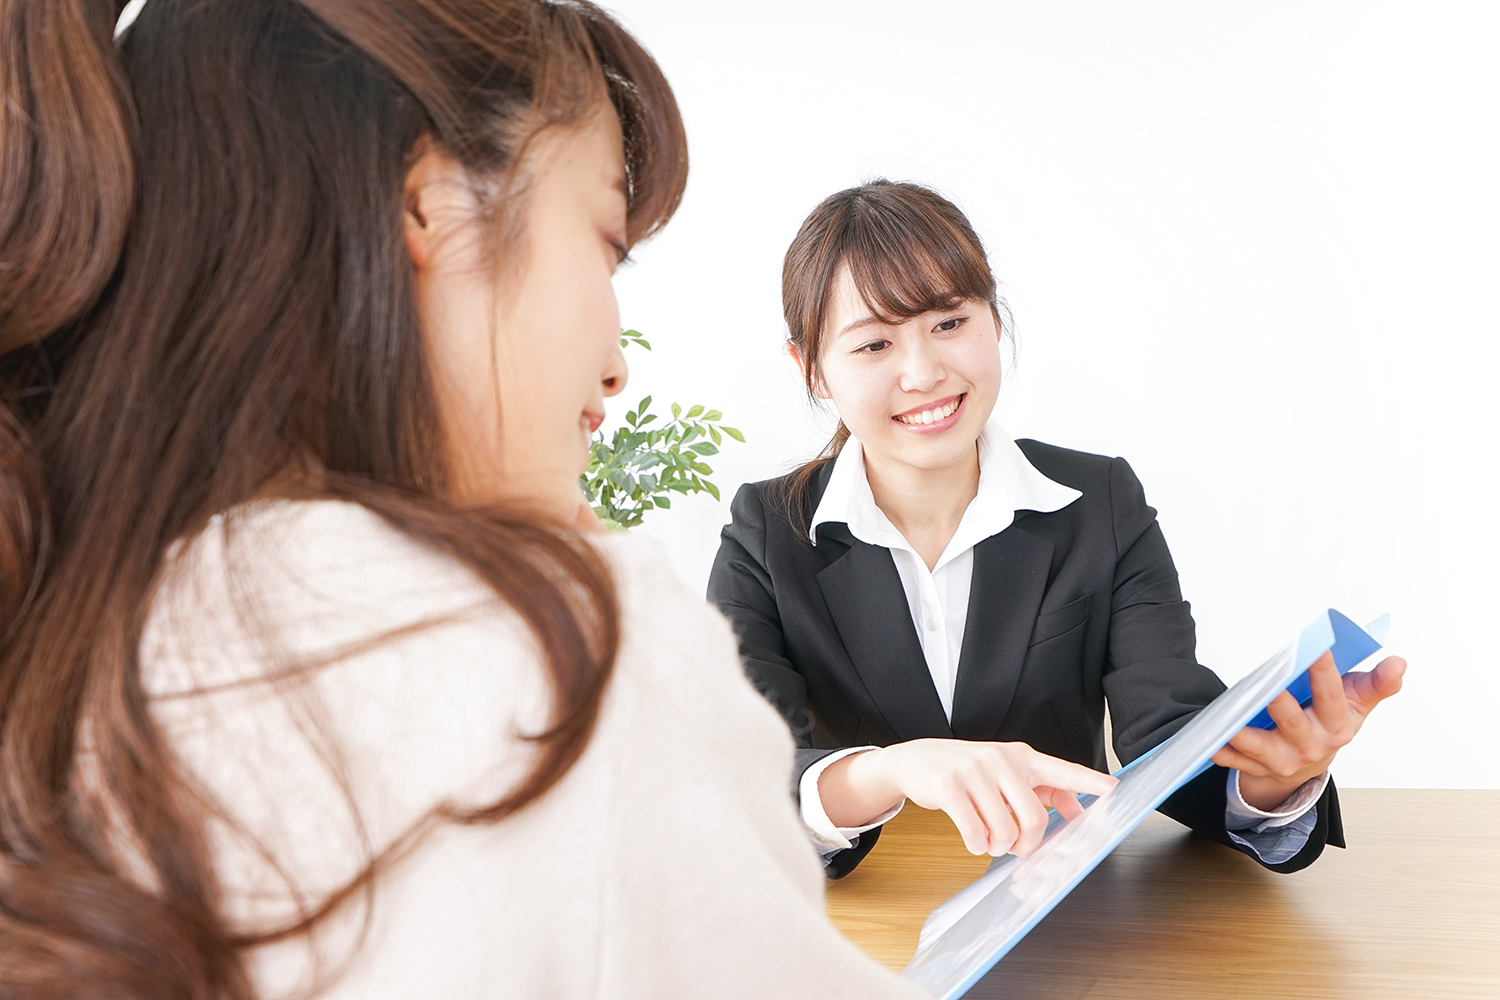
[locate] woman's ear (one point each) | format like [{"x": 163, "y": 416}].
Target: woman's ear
[
  {"x": 818, "y": 388},
  {"x": 436, "y": 188}
]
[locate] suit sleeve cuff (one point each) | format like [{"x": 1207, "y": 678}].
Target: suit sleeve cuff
[
  {"x": 1275, "y": 837},
  {"x": 828, "y": 837}
]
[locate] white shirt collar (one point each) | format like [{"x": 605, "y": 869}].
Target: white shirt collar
[{"x": 1008, "y": 483}]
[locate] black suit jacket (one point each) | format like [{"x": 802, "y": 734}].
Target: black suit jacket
[{"x": 1066, "y": 610}]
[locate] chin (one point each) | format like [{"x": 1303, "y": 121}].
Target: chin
[{"x": 938, "y": 457}]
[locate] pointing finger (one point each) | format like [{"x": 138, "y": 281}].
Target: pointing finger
[{"x": 1044, "y": 770}]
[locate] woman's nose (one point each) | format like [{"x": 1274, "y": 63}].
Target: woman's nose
[
  {"x": 616, "y": 373},
  {"x": 921, "y": 368}
]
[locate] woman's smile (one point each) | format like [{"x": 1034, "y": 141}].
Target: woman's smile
[{"x": 933, "y": 418}]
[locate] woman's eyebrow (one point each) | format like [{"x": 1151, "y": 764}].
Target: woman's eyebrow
[{"x": 862, "y": 321}]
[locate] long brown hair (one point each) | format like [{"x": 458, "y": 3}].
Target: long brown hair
[
  {"x": 204, "y": 288},
  {"x": 908, "y": 249}
]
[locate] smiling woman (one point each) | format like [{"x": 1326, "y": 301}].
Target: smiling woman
[
  {"x": 522, "y": 423},
  {"x": 943, "y": 612},
  {"x": 916, "y": 255}
]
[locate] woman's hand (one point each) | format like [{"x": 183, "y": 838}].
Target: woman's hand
[
  {"x": 997, "y": 794},
  {"x": 1274, "y": 763}
]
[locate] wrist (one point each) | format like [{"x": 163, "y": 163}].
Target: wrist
[
  {"x": 1268, "y": 793},
  {"x": 857, "y": 789},
  {"x": 869, "y": 777}
]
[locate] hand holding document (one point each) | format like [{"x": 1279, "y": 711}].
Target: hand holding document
[
  {"x": 1297, "y": 737},
  {"x": 965, "y": 936}
]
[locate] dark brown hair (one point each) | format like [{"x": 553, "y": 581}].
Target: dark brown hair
[
  {"x": 908, "y": 249},
  {"x": 205, "y": 299}
]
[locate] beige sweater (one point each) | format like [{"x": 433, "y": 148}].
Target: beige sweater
[{"x": 668, "y": 863}]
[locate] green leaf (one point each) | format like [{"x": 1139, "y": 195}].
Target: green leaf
[
  {"x": 636, "y": 470},
  {"x": 628, "y": 337}
]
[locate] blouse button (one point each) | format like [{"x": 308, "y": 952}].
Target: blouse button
[{"x": 931, "y": 624}]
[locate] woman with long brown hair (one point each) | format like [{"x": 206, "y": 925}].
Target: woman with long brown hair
[{"x": 316, "y": 675}]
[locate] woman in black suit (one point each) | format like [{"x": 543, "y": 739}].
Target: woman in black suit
[{"x": 942, "y": 613}]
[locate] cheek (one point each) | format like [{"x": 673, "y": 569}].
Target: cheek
[
  {"x": 560, "y": 336},
  {"x": 977, "y": 360},
  {"x": 860, "y": 392}
]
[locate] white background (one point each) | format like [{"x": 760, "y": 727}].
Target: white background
[{"x": 1252, "y": 247}]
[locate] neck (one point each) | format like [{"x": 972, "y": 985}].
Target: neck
[{"x": 925, "y": 505}]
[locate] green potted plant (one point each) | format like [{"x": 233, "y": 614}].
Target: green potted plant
[{"x": 638, "y": 469}]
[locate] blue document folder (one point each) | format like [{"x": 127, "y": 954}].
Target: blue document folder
[{"x": 965, "y": 936}]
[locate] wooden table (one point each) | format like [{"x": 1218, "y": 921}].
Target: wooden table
[{"x": 1410, "y": 910}]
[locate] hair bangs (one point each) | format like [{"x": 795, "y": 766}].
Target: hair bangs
[{"x": 905, "y": 261}]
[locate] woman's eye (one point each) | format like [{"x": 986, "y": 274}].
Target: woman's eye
[
  {"x": 949, "y": 325},
  {"x": 873, "y": 347}
]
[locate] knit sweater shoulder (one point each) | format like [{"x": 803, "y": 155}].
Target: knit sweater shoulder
[{"x": 326, "y": 682}]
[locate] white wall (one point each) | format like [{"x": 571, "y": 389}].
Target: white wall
[{"x": 1251, "y": 247}]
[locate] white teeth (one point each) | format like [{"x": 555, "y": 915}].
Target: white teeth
[{"x": 931, "y": 416}]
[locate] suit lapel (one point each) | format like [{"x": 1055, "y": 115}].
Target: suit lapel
[
  {"x": 864, "y": 595},
  {"x": 1010, "y": 577}
]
